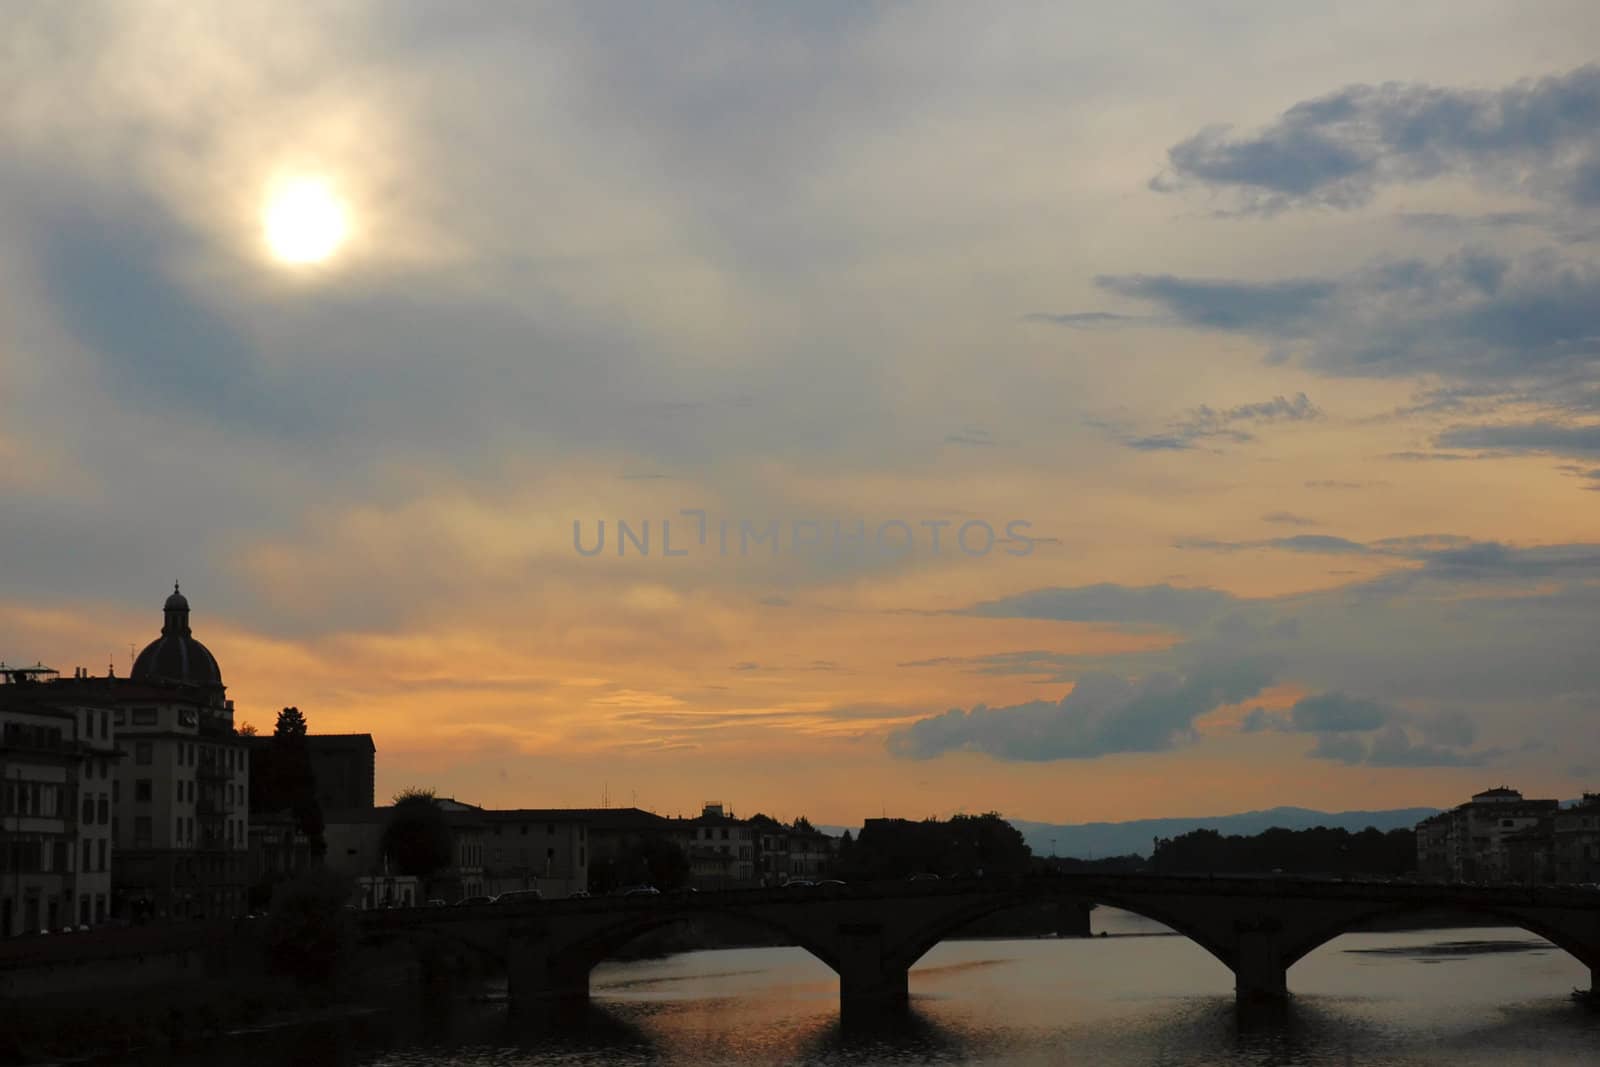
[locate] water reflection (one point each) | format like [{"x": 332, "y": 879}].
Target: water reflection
[{"x": 1381, "y": 999}]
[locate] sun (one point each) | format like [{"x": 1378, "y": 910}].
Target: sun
[{"x": 305, "y": 221}]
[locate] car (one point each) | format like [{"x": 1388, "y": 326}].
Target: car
[
  {"x": 519, "y": 896},
  {"x": 828, "y": 882},
  {"x": 578, "y": 894},
  {"x": 639, "y": 891},
  {"x": 436, "y": 902},
  {"x": 799, "y": 883},
  {"x": 923, "y": 876},
  {"x": 466, "y": 902}
]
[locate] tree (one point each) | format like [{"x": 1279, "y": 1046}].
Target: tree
[
  {"x": 283, "y": 778},
  {"x": 803, "y": 825},
  {"x": 647, "y": 860},
  {"x": 246, "y": 730},
  {"x": 417, "y": 839}
]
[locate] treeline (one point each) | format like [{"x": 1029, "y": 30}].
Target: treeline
[
  {"x": 958, "y": 847},
  {"x": 1320, "y": 850}
]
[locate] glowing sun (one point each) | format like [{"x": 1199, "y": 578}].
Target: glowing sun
[{"x": 305, "y": 222}]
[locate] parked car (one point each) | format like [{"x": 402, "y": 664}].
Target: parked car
[
  {"x": 799, "y": 883},
  {"x": 465, "y": 902},
  {"x": 923, "y": 876},
  {"x": 639, "y": 891},
  {"x": 829, "y": 882},
  {"x": 578, "y": 894},
  {"x": 436, "y": 902},
  {"x": 519, "y": 896}
]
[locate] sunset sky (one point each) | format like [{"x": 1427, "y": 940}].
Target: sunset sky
[{"x": 1273, "y": 328}]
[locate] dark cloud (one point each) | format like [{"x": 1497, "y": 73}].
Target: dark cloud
[
  {"x": 1338, "y": 713},
  {"x": 1103, "y": 714},
  {"x": 1395, "y": 748},
  {"x": 1526, "y": 437},
  {"x": 1339, "y": 748},
  {"x": 1474, "y": 316},
  {"x": 1283, "y": 307},
  {"x": 1161, "y": 605},
  {"x": 1538, "y": 136},
  {"x": 1206, "y": 423},
  {"x": 1314, "y": 544},
  {"x": 1088, "y": 320}
]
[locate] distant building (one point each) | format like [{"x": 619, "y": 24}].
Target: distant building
[
  {"x": 57, "y": 773},
  {"x": 1575, "y": 841},
  {"x": 1497, "y": 836},
  {"x": 345, "y": 769}
]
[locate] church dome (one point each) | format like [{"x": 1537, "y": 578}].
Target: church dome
[{"x": 176, "y": 656}]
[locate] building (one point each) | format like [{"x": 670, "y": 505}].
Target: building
[
  {"x": 345, "y": 769},
  {"x": 343, "y": 766},
  {"x": 57, "y": 772},
  {"x": 1494, "y": 837},
  {"x": 721, "y": 848},
  {"x": 1575, "y": 842},
  {"x": 179, "y": 801},
  {"x": 536, "y": 848}
]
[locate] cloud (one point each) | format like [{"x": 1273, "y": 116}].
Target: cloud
[
  {"x": 1540, "y": 137},
  {"x": 1581, "y": 439},
  {"x": 1103, "y": 714},
  {"x": 1314, "y": 544},
  {"x": 1338, "y": 713},
  {"x": 1206, "y": 423},
  {"x": 1288, "y": 518},
  {"x": 1162, "y": 605},
  {"x": 1089, "y": 320},
  {"x": 1282, "y": 308},
  {"x": 1474, "y": 316}
]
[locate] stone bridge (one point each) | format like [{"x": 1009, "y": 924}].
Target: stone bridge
[{"x": 871, "y": 934}]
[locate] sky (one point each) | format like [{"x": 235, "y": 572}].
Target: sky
[{"x": 1081, "y": 412}]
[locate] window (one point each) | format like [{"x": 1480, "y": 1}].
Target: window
[
  {"x": 144, "y": 753},
  {"x": 105, "y": 809},
  {"x": 177, "y": 831},
  {"x": 101, "y": 857},
  {"x": 122, "y": 717},
  {"x": 143, "y": 831},
  {"x": 724, "y": 833},
  {"x": 552, "y": 828},
  {"x": 88, "y": 809},
  {"x": 180, "y": 790},
  {"x": 83, "y": 863},
  {"x": 142, "y": 791}
]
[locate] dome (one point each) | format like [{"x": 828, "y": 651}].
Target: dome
[{"x": 176, "y": 656}]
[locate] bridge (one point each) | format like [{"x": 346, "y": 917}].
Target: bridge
[{"x": 871, "y": 934}]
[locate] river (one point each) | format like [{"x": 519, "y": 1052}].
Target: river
[{"x": 1137, "y": 996}]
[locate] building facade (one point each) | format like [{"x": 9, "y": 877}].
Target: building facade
[
  {"x": 1497, "y": 836},
  {"x": 57, "y": 770},
  {"x": 536, "y": 848},
  {"x": 1575, "y": 842}
]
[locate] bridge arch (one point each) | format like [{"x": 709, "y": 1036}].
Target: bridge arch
[
  {"x": 925, "y": 939},
  {"x": 586, "y": 953},
  {"x": 1574, "y": 942}
]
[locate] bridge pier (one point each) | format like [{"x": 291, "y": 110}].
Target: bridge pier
[
  {"x": 1072, "y": 918},
  {"x": 870, "y": 982},
  {"x": 1259, "y": 973}
]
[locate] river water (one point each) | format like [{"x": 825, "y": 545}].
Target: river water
[{"x": 1137, "y": 996}]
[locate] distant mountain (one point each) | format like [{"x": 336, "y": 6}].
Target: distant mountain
[{"x": 1099, "y": 839}]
